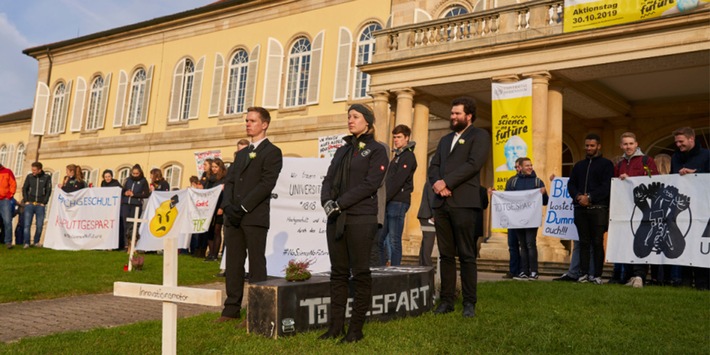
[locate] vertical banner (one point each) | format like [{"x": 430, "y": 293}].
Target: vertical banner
[
  {"x": 329, "y": 144},
  {"x": 512, "y": 128},
  {"x": 168, "y": 216},
  {"x": 201, "y": 156},
  {"x": 589, "y": 14},
  {"x": 85, "y": 219},
  {"x": 559, "y": 220},
  {"x": 202, "y": 206},
  {"x": 297, "y": 219},
  {"x": 662, "y": 219}
]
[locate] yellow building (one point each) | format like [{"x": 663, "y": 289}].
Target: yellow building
[{"x": 156, "y": 92}]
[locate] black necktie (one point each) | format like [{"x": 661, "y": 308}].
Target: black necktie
[{"x": 251, "y": 148}]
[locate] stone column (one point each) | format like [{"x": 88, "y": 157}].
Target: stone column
[
  {"x": 411, "y": 238},
  {"x": 540, "y": 122},
  {"x": 381, "y": 100},
  {"x": 404, "y": 113}
]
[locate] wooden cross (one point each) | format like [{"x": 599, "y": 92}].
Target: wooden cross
[
  {"x": 132, "y": 247},
  {"x": 169, "y": 292}
]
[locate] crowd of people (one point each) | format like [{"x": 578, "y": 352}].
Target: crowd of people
[{"x": 366, "y": 194}]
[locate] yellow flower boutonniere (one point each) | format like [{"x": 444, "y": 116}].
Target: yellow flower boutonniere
[
  {"x": 252, "y": 155},
  {"x": 361, "y": 146},
  {"x": 461, "y": 141}
]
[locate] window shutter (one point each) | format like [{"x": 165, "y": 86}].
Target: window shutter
[
  {"x": 146, "y": 94},
  {"x": 79, "y": 99},
  {"x": 342, "y": 65},
  {"x": 93, "y": 175},
  {"x": 196, "y": 89},
  {"x": 174, "y": 114},
  {"x": 39, "y": 111},
  {"x": 272, "y": 79},
  {"x": 216, "y": 85},
  {"x": 103, "y": 105},
  {"x": 65, "y": 108},
  {"x": 252, "y": 71},
  {"x": 314, "y": 74},
  {"x": 120, "y": 99}
]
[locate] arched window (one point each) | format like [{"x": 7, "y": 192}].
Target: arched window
[
  {"x": 57, "y": 121},
  {"x": 186, "y": 90},
  {"x": 172, "y": 174},
  {"x": 299, "y": 63},
  {"x": 123, "y": 174},
  {"x": 135, "y": 103},
  {"x": 95, "y": 98},
  {"x": 567, "y": 160},
  {"x": 455, "y": 11},
  {"x": 365, "y": 51},
  {"x": 236, "y": 87},
  {"x": 3, "y": 155},
  {"x": 19, "y": 160}
]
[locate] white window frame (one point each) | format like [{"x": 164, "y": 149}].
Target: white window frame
[
  {"x": 188, "y": 79},
  {"x": 3, "y": 155},
  {"x": 93, "y": 114},
  {"x": 237, "y": 83},
  {"x": 365, "y": 51},
  {"x": 123, "y": 174},
  {"x": 173, "y": 175},
  {"x": 136, "y": 97},
  {"x": 297, "y": 73},
  {"x": 19, "y": 159},
  {"x": 57, "y": 120},
  {"x": 455, "y": 10}
]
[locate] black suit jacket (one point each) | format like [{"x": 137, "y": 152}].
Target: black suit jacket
[
  {"x": 461, "y": 167},
  {"x": 250, "y": 181}
]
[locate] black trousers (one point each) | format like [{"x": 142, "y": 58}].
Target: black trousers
[
  {"x": 238, "y": 241},
  {"x": 591, "y": 224},
  {"x": 125, "y": 228},
  {"x": 455, "y": 236},
  {"x": 350, "y": 255}
]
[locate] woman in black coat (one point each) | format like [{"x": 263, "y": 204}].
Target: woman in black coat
[{"x": 349, "y": 197}]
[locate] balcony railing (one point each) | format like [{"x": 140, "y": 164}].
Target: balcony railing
[{"x": 537, "y": 18}]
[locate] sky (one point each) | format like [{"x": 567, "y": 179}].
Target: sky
[{"x": 30, "y": 23}]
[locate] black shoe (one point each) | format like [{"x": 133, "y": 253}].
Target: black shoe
[
  {"x": 332, "y": 333},
  {"x": 508, "y": 276},
  {"x": 469, "y": 310},
  {"x": 352, "y": 337},
  {"x": 444, "y": 307},
  {"x": 565, "y": 277}
]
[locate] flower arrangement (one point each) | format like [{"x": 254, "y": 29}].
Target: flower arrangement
[
  {"x": 462, "y": 141},
  {"x": 298, "y": 270},
  {"x": 361, "y": 146},
  {"x": 252, "y": 155}
]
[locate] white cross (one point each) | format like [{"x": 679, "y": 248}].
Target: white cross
[
  {"x": 168, "y": 292},
  {"x": 135, "y": 220}
]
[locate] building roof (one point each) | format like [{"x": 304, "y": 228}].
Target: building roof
[
  {"x": 221, "y": 4},
  {"x": 19, "y": 116}
]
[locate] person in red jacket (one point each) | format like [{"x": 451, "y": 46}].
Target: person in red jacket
[
  {"x": 8, "y": 186},
  {"x": 633, "y": 163}
]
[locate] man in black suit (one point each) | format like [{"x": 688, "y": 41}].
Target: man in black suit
[
  {"x": 246, "y": 206},
  {"x": 454, "y": 176}
]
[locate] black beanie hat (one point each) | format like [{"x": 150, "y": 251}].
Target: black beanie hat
[{"x": 369, "y": 116}]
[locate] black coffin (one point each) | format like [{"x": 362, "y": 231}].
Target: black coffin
[{"x": 280, "y": 308}]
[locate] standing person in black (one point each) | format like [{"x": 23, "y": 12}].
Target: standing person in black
[
  {"x": 108, "y": 180},
  {"x": 157, "y": 181},
  {"x": 590, "y": 186},
  {"x": 246, "y": 206},
  {"x": 35, "y": 193},
  {"x": 74, "y": 180},
  {"x": 349, "y": 198},
  {"x": 214, "y": 235},
  {"x": 135, "y": 189},
  {"x": 454, "y": 174}
]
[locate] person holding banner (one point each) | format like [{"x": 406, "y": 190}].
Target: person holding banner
[
  {"x": 157, "y": 181},
  {"x": 246, "y": 205},
  {"x": 691, "y": 158},
  {"x": 350, "y": 200},
  {"x": 214, "y": 235},
  {"x": 526, "y": 179},
  {"x": 135, "y": 189},
  {"x": 108, "y": 180},
  {"x": 74, "y": 180},
  {"x": 633, "y": 163},
  {"x": 455, "y": 177},
  {"x": 590, "y": 186}
]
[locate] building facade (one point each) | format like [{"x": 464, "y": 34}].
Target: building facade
[{"x": 156, "y": 92}]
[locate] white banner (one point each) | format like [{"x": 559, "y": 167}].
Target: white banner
[
  {"x": 516, "y": 209},
  {"x": 297, "y": 219},
  {"x": 663, "y": 219},
  {"x": 329, "y": 144},
  {"x": 85, "y": 219},
  {"x": 200, "y": 159},
  {"x": 167, "y": 215},
  {"x": 559, "y": 220},
  {"x": 202, "y": 207}
]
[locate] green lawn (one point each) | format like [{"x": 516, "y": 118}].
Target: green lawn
[
  {"x": 37, "y": 273},
  {"x": 513, "y": 318}
]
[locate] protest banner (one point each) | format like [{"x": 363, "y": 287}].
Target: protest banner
[
  {"x": 590, "y": 14},
  {"x": 168, "y": 213},
  {"x": 85, "y": 219},
  {"x": 200, "y": 159},
  {"x": 329, "y": 144},
  {"x": 559, "y": 219},
  {"x": 516, "y": 209},
  {"x": 662, "y": 219}
]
